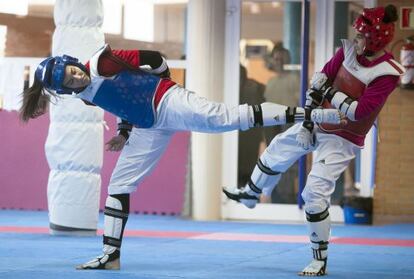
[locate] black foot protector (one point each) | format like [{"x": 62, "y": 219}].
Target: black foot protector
[{"x": 241, "y": 196}]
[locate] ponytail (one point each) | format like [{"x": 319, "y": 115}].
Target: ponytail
[{"x": 35, "y": 102}]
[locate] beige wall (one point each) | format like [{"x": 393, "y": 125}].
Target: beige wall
[
  {"x": 27, "y": 36},
  {"x": 31, "y": 36},
  {"x": 394, "y": 193}
]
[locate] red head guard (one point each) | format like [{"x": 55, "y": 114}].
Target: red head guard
[{"x": 377, "y": 33}]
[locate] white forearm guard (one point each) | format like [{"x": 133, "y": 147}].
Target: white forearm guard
[
  {"x": 344, "y": 104},
  {"x": 319, "y": 81},
  {"x": 331, "y": 116}
]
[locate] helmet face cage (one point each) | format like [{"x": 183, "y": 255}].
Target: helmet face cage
[
  {"x": 377, "y": 33},
  {"x": 51, "y": 73}
]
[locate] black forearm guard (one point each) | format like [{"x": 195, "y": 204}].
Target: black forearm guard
[
  {"x": 151, "y": 58},
  {"x": 124, "y": 128},
  {"x": 308, "y": 124},
  {"x": 165, "y": 74},
  {"x": 330, "y": 93},
  {"x": 124, "y": 133},
  {"x": 154, "y": 60}
]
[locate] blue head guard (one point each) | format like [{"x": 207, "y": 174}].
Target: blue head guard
[{"x": 51, "y": 73}]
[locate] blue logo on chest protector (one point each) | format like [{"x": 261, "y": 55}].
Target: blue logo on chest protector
[{"x": 129, "y": 96}]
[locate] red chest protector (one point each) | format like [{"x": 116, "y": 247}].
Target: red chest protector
[
  {"x": 353, "y": 131},
  {"x": 352, "y": 79}
]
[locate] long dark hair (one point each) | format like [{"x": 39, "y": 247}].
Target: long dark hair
[{"x": 35, "y": 101}]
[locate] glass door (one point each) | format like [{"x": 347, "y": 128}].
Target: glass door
[{"x": 270, "y": 41}]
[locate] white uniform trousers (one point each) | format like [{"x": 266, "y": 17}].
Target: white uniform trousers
[
  {"x": 332, "y": 155},
  {"x": 179, "y": 110}
]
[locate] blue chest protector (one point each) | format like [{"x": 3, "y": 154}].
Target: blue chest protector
[{"x": 129, "y": 95}]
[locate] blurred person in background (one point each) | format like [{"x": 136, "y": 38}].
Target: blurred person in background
[
  {"x": 282, "y": 88},
  {"x": 251, "y": 92}
]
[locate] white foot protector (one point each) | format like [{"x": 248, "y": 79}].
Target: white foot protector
[
  {"x": 108, "y": 261},
  {"x": 315, "y": 268}
]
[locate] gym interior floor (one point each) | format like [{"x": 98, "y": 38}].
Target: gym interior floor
[{"x": 173, "y": 247}]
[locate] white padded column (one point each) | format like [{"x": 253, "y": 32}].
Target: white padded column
[{"x": 74, "y": 146}]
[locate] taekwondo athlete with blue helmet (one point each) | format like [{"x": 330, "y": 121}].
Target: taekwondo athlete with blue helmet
[{"x": 153, "y": 108}]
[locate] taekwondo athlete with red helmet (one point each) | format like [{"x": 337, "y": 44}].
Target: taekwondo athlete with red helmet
[
  {"x": 155, "y": 106},
  {"x": 357, "y": 80}
]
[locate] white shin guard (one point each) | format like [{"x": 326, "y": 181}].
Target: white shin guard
[
  {"x": 319, "y": 225},
  {"x": 245, "y": 116},
  {"x": 263, "y": 179},
  {"x": 268, "y": 114},
  {"x": 116, "y": 215},
  {"x": 273, "y": 114},
  {"x": 276, "y": 115}
]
